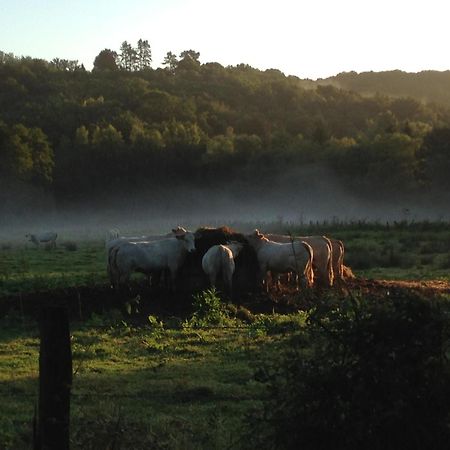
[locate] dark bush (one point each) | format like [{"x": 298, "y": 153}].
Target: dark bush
[{"x": 365, "y": 373}]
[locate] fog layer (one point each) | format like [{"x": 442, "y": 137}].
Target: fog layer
[{"x": 300, "y": 196}]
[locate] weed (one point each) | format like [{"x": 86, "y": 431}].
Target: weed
[{"x": 208, "y": 310}]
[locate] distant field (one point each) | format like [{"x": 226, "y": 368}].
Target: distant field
[{"x": 25, "y": 268}]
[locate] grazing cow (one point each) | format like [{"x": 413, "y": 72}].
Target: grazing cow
[
  {"x": 220, "y": 259},
  {"x": 48, "y": 238},
  {"x": 322, "y": 262},
  {"x": 276, "y": 257},
  {"x": 337, "y": 255},
  {"x": 150, "y": 257}
]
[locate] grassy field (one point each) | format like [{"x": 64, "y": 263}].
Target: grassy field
[
  {"x": 25, "y": 268},
  {"x": 167, "y": 383},
  {"x": 396, "y": 251},
  {"x": 151, "y": 386}
]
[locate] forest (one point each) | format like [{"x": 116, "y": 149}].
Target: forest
[{"x": 70, "y": 134}]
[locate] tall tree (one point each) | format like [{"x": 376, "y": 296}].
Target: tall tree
[
  {"x": 106, "y": 60},
  {"x": 144, "y": 55},
  {"x": 171, "y": 62},
  {"x": 189, "y": 60},
  {"x": 190, "y": 54},
  {"x": 127, "y": 57}
]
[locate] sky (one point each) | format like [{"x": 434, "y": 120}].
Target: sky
[{"x": 309, "y": 39}]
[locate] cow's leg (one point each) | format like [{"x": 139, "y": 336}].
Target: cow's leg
[
  {"x": 227, "y": 276},
  {"x": 212, "y": 279},
  {"x": 156, "y": 278},
  {"x": 173, "y": 279}
]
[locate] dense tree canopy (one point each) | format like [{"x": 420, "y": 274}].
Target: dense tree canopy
[{"x": 77, "y": 132}]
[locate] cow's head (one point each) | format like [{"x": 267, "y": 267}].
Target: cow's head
[
  {"x": 179, "y": 230},
  {"x": 188, "y": 240},
  {"x": 32, "y": 238},
  {"x": 255, "y": 238}
]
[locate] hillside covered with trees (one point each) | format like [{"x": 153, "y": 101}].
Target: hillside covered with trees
[
  {"x": 76, "y": 134},
  {"x": 428, "y": 86}
]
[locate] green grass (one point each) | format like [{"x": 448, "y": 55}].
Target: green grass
[
  {"x": 169, "y": 387},
  {"x": 28, "y": 269},
  {"x": 394, "y": 251},
  {"x": 144, "y": 387}
]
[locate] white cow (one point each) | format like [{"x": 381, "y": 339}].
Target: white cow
[
  {"x": 220, "y": 259},
  {"x": 323, "y": 255},
  {"x": 48, "y": 238},
  {"x": 114, "y": 240},
  {"x": 278, "y": 257},
  {"x": 150, "y": 257}
]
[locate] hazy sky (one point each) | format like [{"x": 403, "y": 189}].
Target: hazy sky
[{"x": 310, "y": 39}]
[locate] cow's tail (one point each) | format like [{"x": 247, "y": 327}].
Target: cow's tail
[
  {"x": 227, "y": 264},
  {"x": 309, "y": 272},
  {"x": 341, "y": 261},
  {"x": 112, "y": 267}
]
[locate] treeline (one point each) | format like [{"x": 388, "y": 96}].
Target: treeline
[
  {"x": 78, "y": 133},
  {"x": 428, "y": 86}
]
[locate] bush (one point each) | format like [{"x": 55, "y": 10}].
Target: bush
[
  {"x": 369, "y": 374},
  {"x": 208, "y": 310}
]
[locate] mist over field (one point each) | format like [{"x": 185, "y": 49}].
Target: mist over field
[{"x": 300, "y": 196}]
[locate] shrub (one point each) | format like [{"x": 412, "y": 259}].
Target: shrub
[
  {"x": 208, "y": 310},
  {"x": 369, "y": 373}
]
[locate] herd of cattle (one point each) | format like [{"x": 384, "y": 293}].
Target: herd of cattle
[
  {"x": 220, "y": 255},
  {"x": 217, "y": 253}
]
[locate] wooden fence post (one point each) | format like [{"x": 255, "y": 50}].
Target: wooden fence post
[{"x": 55, "y": 380}]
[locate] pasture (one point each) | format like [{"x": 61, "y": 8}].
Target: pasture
[
  {"x": 163, "y": 375},
  {"x": 399, "y": 251}
]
